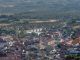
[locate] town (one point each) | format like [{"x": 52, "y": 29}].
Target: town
[{"x": 40, "y": 40}]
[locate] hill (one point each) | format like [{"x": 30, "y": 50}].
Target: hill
[{"x": 41, "y": 8}]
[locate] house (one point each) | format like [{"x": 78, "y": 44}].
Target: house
[{"x": 3, "y": 43}]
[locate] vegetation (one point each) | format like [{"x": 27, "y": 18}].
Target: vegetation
[
  {"x": 73, "y": 56},
  {"x": 4, "y": 31}
]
